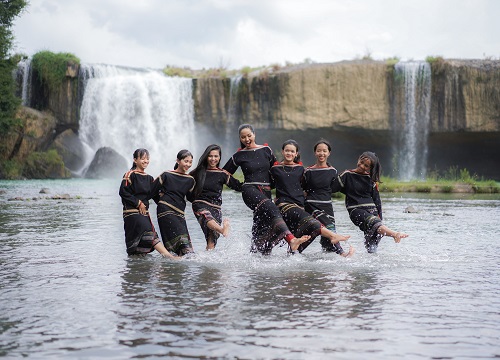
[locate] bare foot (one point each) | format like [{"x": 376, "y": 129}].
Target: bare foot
[
  {"x": 168, "y": 255},
  {"x": 349, "y": 253},
  {"x": 338, "y": 237},
  {"x": 295, "y": 242},
  {"x": 399, "y": 236},
  {"x": 225, "y": 227}
]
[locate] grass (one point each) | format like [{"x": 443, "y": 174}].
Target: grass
[
  {"x": 452, "y": 180},
  {"x": 52, "y": 67}
]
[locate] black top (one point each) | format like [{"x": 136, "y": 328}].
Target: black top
[
  {"x": 214, "y": 183},
  {"x": 287, "y": 179},
  {"x": 172, "y": 187},
  {"x": 317, "y": 183},
  {"x": 359, "y": 190},
  {"x": 255, "y": 164},
  {"x": 136, "y": 186}
]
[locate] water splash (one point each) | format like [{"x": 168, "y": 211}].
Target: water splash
[
  {"x": 413, "y": 118},
  {"x": 126, "y": 108}
]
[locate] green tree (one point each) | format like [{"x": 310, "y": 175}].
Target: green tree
[{"x": 9, "y": 10}]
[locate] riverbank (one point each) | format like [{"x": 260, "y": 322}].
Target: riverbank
[{"x": 440, "y": 186}]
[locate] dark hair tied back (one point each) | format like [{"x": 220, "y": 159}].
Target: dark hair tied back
[
  {"x": 244, "y": 126},
  {"x": 375, "y": 168},
  {"x": 182, "y": 155},
  {"x": 293, "y": 143},
  {"x": 138, "y": 154}
]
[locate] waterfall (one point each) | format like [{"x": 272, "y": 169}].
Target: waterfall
[
  {"x": 126, "y": 109},
  {"x": 24, "y": 74},
  {"x": 232, "y": 113},
  {"x": 412, "y": 118}
]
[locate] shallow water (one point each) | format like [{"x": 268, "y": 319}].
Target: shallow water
[{"x": 69, "y": 290}]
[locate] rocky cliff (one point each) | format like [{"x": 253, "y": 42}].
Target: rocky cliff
[
  {"x": 347, "y": 102},
  {"x": 351, "y": 94}
]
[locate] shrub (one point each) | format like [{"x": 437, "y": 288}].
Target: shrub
[
  {"x": 10, "y": 170},
  {"x": 45, "y": 165},
  {"x": 52, "y": 67}
]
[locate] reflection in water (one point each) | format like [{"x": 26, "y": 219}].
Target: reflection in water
[{"x": 67, "y": 288}]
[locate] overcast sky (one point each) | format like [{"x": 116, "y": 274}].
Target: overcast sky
[{"x": 237, "y": 33}]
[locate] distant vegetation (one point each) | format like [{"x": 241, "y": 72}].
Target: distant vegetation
[
  {"x": 452, "y": 180},
  {"x": 9, "y": 103},
  {"x": 52, "y": 67}
]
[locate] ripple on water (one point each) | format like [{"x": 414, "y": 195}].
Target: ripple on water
[{"x": 68, "y": 288}]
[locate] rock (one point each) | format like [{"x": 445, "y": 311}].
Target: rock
[
  {"x": 107, "y": 163},
  {"x": 69, "y": 146},
  {"x": 410, "y": 210},
  {"x": 44, "y": 191}
]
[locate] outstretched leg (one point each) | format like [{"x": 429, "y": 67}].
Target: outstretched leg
[
  {"x": 396, "y": 235},
  {"x": 223, "y": 230},
  {"x": 294, "y": 242},
  {"x": 164, "y": 252}
]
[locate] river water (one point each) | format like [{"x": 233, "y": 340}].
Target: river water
[{"x": 68, "y": 289}]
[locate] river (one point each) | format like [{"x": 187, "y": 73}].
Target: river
[{"x": 68, "y": 289}]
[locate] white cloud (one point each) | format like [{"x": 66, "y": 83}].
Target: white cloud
[{"x": 202, "y": 33}]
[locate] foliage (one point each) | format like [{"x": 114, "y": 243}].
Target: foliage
[
  {"x": 51, "y": 67},
  {"x": 392, "y": 61},
  {"x": 9, "y": 103},
  {"x": 9, "y": 10},
  {"x": 451, "y": 180},
  {"x": 434, "y": 59},
  {"x": 45, "y": 165},
  {"x": 10, "y": 170},
  {"x": 177, "y": 71}
]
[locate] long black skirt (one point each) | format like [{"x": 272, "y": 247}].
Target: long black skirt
[
  {"x": 368, "y": 221},
  {"x": 140, "y": 236},
  {"x": 300, "y": 223},
  {"x": 174, "y": 231},
  {"x": 323, "y": 212},
  {"x": 269, "y": 228},
  {"x": 204, "y": 213}
]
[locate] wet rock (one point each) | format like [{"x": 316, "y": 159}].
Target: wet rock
[
  {"x": 410, "y": 210},
  {"x": 44, "y": 191},
  {"x": 107, "y": 163}
]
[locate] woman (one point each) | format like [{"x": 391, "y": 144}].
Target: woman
[
  {"x": 268, "y": 227},
  {"x": 290, "y": 198},
  {"x": 362, "y": 200},
  {"x": 171, "y": 189},
  {"x": 135, "y": 192},
  {"x": 207, "y": 195},
  {"x": 317, "y": 184}
]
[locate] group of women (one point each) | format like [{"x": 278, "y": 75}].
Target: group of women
[{"x": 301, "y": 211}]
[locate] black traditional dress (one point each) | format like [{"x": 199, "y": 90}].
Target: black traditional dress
[
  {"x": 140, "y": 235},
  {"x": 207, "y": 205},
  {"x": 268, "y": 227},
  {"x": 317, "y": 183},
  {"x": 290, "y": 201},
  {"x": 171, "y": 189},
  {"x": 362, "y": 200}
]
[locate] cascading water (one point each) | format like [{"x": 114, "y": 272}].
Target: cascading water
[
  {"x": 24, "y": 74},
  {"x": 412, "y": 118},
  {"x": 126, "y": 109},
  {"x": 232, "y": 112}
]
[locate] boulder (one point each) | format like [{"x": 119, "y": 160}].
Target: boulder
[
  {"x": 72, "y": 150},
  {"x": 107, "y": 163}
]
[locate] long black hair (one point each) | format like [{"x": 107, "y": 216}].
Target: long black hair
[
  {"x": 294, "y": 143},
  {"x": 328, "y": 145},
  {"x": 375, "y": 167},
  {"x": 200, "y": 171},
  {"x": 138, "y": 154},
  {"x": 244, "y": 126},
  {"x": 182, "y": 155}
]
